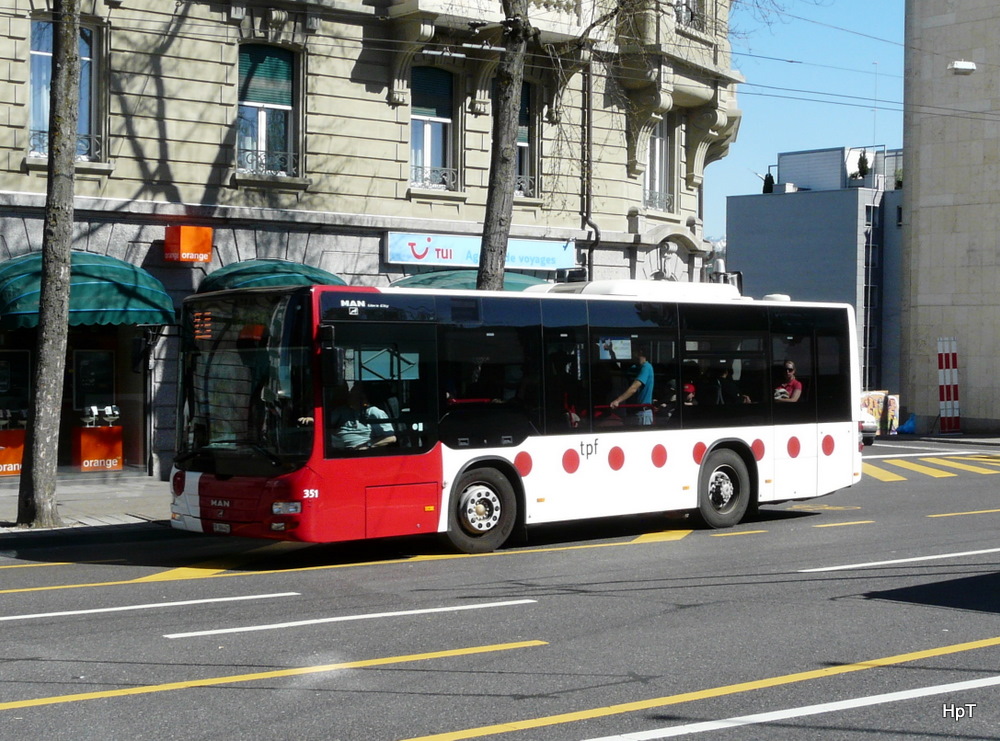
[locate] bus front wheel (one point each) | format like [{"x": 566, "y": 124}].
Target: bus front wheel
[
  {"x": 483, "y": 511},
  {"x": 723, "y": 489}
]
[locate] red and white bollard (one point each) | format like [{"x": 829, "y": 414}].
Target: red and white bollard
[{"x": 948, "y": 384}]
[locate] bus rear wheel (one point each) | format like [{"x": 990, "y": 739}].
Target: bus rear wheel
[
  {"x": 723, "y": 489},
  {"x": 483, "y": 511}
]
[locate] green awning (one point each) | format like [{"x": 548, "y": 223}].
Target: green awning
[
  {"x": 103, "y": 290},
  {"x": 464, "y": 279},
  {"x": 265, "y": 273}
]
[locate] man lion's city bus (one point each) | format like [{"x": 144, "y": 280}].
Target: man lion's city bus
[{"x": 331, "y": 413}]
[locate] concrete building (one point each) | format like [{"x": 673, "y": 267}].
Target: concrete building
[
  {"x": 828, "y": 233},
  {"x": 951, "y": 217},
  {"x": 347, "y": 137}
]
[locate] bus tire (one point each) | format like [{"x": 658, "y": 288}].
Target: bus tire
[
  {"x": 723, "y": 489},
  {"x": 483, "y": 511}
]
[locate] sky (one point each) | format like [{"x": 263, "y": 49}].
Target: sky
[{"x": 821, "y": 74}]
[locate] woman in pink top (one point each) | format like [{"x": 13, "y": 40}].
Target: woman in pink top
[{"x": 791, "y": 389}]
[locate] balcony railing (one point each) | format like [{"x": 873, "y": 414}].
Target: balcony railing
[
  {"x": 88, "y": 147},
  {"x": 524, "y": 186},
  {"x": 658, "y": 201},
  {"x": 259, "y": 162},
  {"x": 434, "y": 178}
]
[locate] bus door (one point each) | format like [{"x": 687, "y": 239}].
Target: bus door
[{"x": 379, "y": 430}]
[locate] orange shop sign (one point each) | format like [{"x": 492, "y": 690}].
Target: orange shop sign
[{"x": 188, "y": 244}]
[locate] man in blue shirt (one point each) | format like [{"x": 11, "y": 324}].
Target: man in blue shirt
[{"x": 641, "y": 388}]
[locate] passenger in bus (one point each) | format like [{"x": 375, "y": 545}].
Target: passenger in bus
[
  {"x": 356, "y": 425},
  {"x": 722, "y": 388},
  {"x": 791, "y": 388},
  {"x": 641, "y": 387},
  {"x": 689, "y": 395}
]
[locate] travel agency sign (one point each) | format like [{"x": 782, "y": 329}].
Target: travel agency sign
[{"x": 448, "y": 250}]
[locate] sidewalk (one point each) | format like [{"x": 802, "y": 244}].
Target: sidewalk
[
  {"x": 99, "y": 498},
  {"x": 127, "y": 497}
]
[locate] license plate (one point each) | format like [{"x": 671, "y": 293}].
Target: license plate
[{"x": 220, "y": 527}]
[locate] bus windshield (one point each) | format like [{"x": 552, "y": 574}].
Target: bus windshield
[{"x": 247, "y": 401}]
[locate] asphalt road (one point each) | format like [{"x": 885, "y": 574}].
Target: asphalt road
[{"x": 868, "y": 614}]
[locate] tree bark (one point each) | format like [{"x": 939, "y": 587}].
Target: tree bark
[
  {"x": 37, "y": 506},
  {"x": 503, "y": 158}
]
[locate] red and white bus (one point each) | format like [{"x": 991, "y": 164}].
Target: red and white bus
[{"x": 489, "y": 411}]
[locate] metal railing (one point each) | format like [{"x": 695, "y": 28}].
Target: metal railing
[
  {"x": 658, "y": 201},
  {"x": 524, "y": 186},
  {"x": 434, "y": 178},
  {"x": 260, "y": 162},
  {"x": 88, "y": 146}
]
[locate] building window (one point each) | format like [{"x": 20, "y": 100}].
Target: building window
[
  {"x": 432, "y": 92},
  {"x": 526, "y": 183},
  {"x": 266, "y": 120},
  {"x": 88, "y": 143},
  {"x": 658, "y": 193}
]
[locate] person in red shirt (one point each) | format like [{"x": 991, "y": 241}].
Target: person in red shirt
[{"x": 791, "y": 389}]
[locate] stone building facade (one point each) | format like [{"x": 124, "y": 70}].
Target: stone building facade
[
  {"x": 355, "y": 137},
  {"x": 951, "y": 264}
]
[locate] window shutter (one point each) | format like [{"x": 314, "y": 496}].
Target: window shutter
[
  {"x": 431, "y": 90},
  {"x": 265, "y": 75}
]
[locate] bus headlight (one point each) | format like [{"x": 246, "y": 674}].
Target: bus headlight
[{"x": 286, "y": 508}]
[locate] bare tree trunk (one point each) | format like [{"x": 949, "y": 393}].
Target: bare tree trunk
[
  {"x": 503, "y": 159},
  {"x": 37, "y": 493}
]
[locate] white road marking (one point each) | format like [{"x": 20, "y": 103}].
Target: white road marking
[
  {"x": 827, "y": 707},
  {"x": 898, "y": 561},
  {"x": 348, "y": 618},
  {"x": 151, "y": 606}
]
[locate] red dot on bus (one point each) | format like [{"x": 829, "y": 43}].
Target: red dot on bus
[
  {"x": 659, "y": 456},
  {"x": 522, "y": 462},
  {"x": 616, "y": 458},
  {"x": 758, "y": 449},
  {"x": 699, "y": 452},
  {"x": 571, "y": 461},
  {"x": 828, "y": 445},
  {"x": 794, "y": 447}
]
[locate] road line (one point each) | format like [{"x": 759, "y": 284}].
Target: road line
[
  {"x": 349, "y": 618},
  {"x": 880, "y": 473},
  {"x": 217, "y": 566},
  {"x": 985, "y": 460},
  {"x": 662, "y": 537},
  {"x": 741, "y": 532},
  {"x": 274, "y": 674},
  {"x": 960, "y": 466},
  {"x": 843, "y": 524},
  {"x": 729, "y": 689},
  {"x": 35, "y": 565},
  {"x": 894, "y": 562},
  {"x": 926, "y": 470},
  {"x": 960, "y": 514},
  {"x": 921, "y": 455},
  {"x": 801, "y": 712},
  {"x": 150, "y": 606}
]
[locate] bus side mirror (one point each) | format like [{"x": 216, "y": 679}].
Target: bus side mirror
[{"x": 332, "y": 358}]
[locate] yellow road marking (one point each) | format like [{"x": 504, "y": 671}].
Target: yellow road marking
[
  {"x": 729, "y": 689},
  {"x": 662, "y": 537},
  {"x": 880, "y": 473},
  {"x": 217, "y": 566},
  {"x": 992, "y": 460},
  {"x": 926, "y": 470},
  {"x": 959, "y": 514},
  {"x": 841, "y": 524},
  {"x": 824, "y": 507},
  {"x": 741, "y": 532},
  {"x": 207, "y": 571},
  {"x": 274, "y": 674},
  {"x": 959, "y": 466},
  {"x": 33, "y": 565}
]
